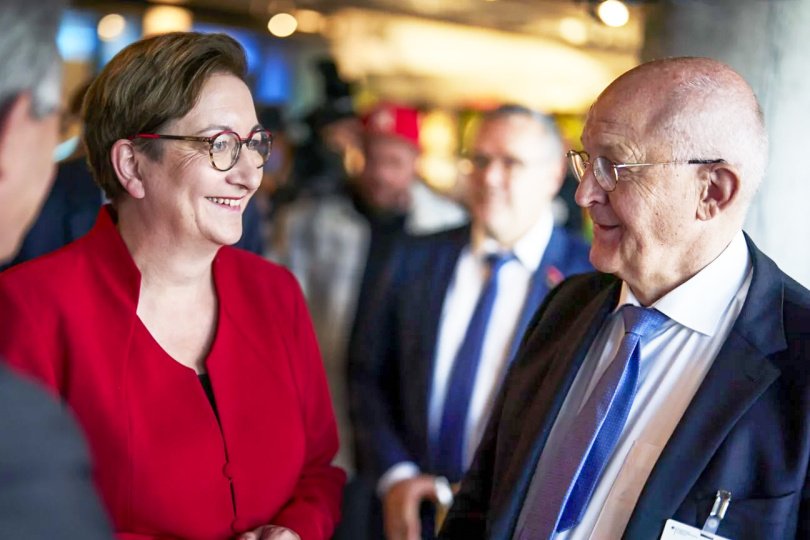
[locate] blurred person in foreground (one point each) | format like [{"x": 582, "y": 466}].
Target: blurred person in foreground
[
  {"x": 192, "y": 366},
  {"x": 647, "y": 394},
  {"x": 46, "y": 489},
  {"x": 455, "y": 312},
  {"x": 71, "y": 207}
]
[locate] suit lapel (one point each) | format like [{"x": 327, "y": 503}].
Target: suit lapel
[
  {"x": 737, "y": 378},
  {"x": 547, "y": 276},
  {"x": 428, "y": 302},
  {"x": 561, "y": 363}
]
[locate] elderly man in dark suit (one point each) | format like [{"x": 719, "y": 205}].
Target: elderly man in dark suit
[
  {"x": 45, "y": 486},
  {"x": 427, "y": 369},
  {"x": 646, "y": 396}
]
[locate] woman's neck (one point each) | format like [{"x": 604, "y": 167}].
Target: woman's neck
[{"x": 165, "y": 263}]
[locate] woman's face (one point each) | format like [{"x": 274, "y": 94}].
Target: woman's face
[{"x": 196, "y": 202}]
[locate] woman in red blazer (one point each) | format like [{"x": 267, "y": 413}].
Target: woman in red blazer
[{"x": 192, "y": 367}]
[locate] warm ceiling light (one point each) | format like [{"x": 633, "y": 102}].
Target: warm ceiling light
[
  {"x": 164, "y": 19},
  {"x": 110, "y": 27},
  {"x": 309, "y": 21},
  {"x": 282, "y": 25},
  {"x": 613, "y": 13},
  {"x": 573, "y": 31}
]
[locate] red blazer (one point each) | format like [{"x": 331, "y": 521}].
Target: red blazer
[{"x": 164, "y": 465}]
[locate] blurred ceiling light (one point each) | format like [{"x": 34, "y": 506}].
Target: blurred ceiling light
[
  {"x": 164, "y": 19},
  {"x": 613, "y": 13},
  {"x": 282, "y": 25},
  {"x": 573, "y": 31},
  {"x": 111, "y": 27},
  {"x": 175, "y": 2},
  {"x": 309, "y": 21}
]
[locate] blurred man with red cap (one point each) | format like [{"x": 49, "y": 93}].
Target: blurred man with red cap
[{"x": 338, "y": 246}]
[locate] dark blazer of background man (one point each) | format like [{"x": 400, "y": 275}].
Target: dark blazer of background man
[
  {"x": 518, "y": 167},
  {"x": 745, "y": 424},
  {"x": 46, "y": 490}
]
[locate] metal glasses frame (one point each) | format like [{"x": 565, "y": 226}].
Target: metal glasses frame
[{"x": 575, "y": 156}]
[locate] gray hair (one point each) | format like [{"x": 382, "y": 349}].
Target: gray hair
[
  {"x": 550, "y": 129},
  {"x": 29, "y": 59}
]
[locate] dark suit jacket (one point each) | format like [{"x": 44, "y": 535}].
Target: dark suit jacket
[
  {"x": 747, "y": 429},
  {"x": 71, "y": 208},
  {"x": 392, "y": 366},
  {"x": 45, "y": 487}
]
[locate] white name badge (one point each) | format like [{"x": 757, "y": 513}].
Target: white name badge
[{"x": 674, "y": 530}]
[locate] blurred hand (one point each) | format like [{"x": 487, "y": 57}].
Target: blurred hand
[
  {"x": 270, "y": 532},
  {"x": 401, "y": 507}
]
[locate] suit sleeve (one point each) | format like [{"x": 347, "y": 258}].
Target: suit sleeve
[
  {"x": 46, "y": 489},
  {"x": 373, "y": 377},
  {"x": 314, "y": 509}
]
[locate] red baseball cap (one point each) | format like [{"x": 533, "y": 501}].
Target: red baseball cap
[{"x": 393, "y": 121}]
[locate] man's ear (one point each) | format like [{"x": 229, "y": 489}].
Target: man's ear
[
  {"x": 720, "y": 189},
  {"x": 125, "y": 163},
  {"x": 14, "y": 120}
]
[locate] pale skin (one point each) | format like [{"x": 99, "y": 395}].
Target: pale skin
[
  {"x": 177, "y": 197},
  {"x": 662, "y": 224},
  {"x": 511, "y": 187},
  {"x": 26, "y": 170}
]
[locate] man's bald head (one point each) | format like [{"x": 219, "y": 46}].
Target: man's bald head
[{"x": 701, "y": 109}]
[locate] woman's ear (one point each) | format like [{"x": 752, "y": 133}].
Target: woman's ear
[
  {"x": 720, "y": 190},
  {"x": 125, "y": 163}
]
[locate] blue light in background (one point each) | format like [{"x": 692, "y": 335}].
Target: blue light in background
[
  {"x": 267, "y": 65},
  {"x": 245, "y": 38},
  {"x": 77, "y": 39},
  {"x": 275, "y": 79}
]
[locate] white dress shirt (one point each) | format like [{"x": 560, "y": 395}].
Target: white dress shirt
[
  {"x": 674, "y": 361},
  {"x": 471, "y": 273}
]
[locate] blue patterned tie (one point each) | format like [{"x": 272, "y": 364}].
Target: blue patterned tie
[
  {"x": 449, "y": 449},
  {"x": 577, "y": 463}
]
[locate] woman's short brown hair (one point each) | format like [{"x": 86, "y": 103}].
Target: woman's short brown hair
[{"x": 147, "y": 85}]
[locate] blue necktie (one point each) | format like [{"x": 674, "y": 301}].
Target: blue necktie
[
  {"x": 577, "y": 463},
  {"x": 449, "y": 449}
]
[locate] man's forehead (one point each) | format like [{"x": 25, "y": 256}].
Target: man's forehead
[{"x": 509, "y": 130}]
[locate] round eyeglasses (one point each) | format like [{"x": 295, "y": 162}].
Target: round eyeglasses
[
  {"x": 225, "y": 146},
  {"x": 607, "y": 173}
]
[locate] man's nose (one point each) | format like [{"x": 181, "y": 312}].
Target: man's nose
[{"x": 589, "y": 192}]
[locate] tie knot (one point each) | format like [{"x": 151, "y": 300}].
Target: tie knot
[
  {"x": 641, "y": 321},
  {"x": 497, "y": 260}
]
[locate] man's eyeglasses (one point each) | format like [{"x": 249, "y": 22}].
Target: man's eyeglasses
[
  {"x": 224, "y": 147},
  {"x": 607, "y": 173}
]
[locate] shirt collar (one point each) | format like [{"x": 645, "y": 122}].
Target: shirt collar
[
  {"x": 528, "y": 249},
  {"x": 700, "y": 302}
]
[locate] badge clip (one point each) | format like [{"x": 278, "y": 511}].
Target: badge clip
[{"x": 721, "y": 502}]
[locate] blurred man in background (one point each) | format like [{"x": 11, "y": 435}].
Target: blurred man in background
[
  {"x": 433, "y": 358},
  {"x": 338, "y": 246},
  {"x": 45, "y": 486}
]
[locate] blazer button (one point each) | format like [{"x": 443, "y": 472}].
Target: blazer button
[
  {"x": 227, "y": 470},
  {"x": 239, "y": 525}
]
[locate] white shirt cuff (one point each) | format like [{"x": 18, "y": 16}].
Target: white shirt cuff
[{"x": 397, "y": 473}]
